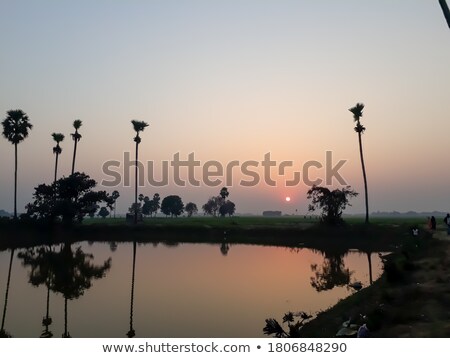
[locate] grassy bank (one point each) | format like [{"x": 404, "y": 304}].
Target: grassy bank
[
  {"x": 283, "y": 231},
  {"x": 411, "y": 299}
]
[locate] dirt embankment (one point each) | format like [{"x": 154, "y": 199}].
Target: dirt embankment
[{"x": 411, "y": 299}]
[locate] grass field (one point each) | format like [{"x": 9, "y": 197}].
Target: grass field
[
  {"x": 383, "y": 234},
  {"x": 254, "y": 221}
]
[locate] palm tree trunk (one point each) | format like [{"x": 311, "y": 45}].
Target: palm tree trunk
[
  {"x": 56, "y": 167},
  {"x": 364, "y": 176},
  {"x": 15, "y": 181},
  {"x": 445, "y": 10},
  {"x": 7, "y": 290},
  {"x": 74, "y": 155},
  {"x": 136, "y": 186}
]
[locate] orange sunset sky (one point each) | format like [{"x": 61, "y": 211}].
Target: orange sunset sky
[{"x": 233, "y": 80}]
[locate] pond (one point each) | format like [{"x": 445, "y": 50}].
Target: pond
[{"x": 156, "y": 290}]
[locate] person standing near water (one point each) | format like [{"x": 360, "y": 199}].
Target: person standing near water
[
  {"x": 433, "y": 223},
  {"x": 447, "y": 221}
]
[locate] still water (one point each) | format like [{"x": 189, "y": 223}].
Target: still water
[{"x": 187, "y": 290}]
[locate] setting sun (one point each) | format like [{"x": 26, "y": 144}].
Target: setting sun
[{"x": 288, "y": 198}]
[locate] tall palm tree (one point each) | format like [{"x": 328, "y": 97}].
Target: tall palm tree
[
  {"x": 138, "y": 126},
  {"x": 359, "y": 128},
  {"x": 445, "y": 10},
  {"x": 76, "y": 138},
  {"x": 15, "y": 129},
  {"x": 57, "y": 137},
  {"x": 115, "y": 195}
]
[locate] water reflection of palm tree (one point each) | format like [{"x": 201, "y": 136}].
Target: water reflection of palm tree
[
  {"x": 74, "y": 273},
  {"x": 67, "y": 272},
  {"x": 369, "y": 259},
  {"x": 332, "y": 273},
  {"x": 3, "y": 333},
  {"x": 131, "y": 333},
  {"x": 40, "y": 261}
]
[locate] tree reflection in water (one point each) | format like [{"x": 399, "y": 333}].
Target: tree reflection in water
[
  {"x": 131, "y": 333},
  {"x": 3, "y": 333},
  {"x": 69, "y": 272},
  {"x": 331, "y": 273}
]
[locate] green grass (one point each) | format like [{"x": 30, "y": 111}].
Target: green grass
[
  {"x": 254, "y": 221},
  {"x": 383, "y": 234},
  {"x": 213, "y": 222}
]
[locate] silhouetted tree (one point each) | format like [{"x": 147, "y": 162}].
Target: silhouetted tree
[
  {"x": 227, "y": 208},
  {"x": 103, "y": 212},
  {"x": 359, "y": 128},
  {"x": 15, "y": 130},
  {"x": 445, "y": 10},
  {"x": 172, "y": 205},
  {"x": 76, "y": 138},
  {"x": 115, "y": 195},
  {"x": 92, "y": 209},
  {"x": 212, "y": 205},
  {"x": 57, "y": 137},
  {"x": 332, "y": 203},
  {"x": 69, "y": 198},
  {"x": 155, "y": 204},
  {"x": 146, "y": 206},
  {"x": 151, "y": 207},
  {"x": 191, "y": 209},
  {"x": 138, "y": 126},
  {"x": 135, "y": 209}
]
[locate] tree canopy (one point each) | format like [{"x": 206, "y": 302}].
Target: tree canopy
[
  {"x": 172, "y": 205},
  {"x": 331, "y": 202},
  {"x": 68, "y": 199}
]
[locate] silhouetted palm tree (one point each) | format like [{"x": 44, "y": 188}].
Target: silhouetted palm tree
[
  {"x": 445, "y": 10},
  {"x": 115, "y": 195},
  {"x": 224, "y": 193},
  {"x": 138, "y": 126},
  {"x": 76, "y": 138},
  {"x": 359, "y": 128},
  {"x": 57, "y": 137},
  {"x": 15, "y": 129},
  {"x": 3, "y": 333}
]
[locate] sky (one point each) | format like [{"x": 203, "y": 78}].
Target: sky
[{"x": 231, "y": 81}]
